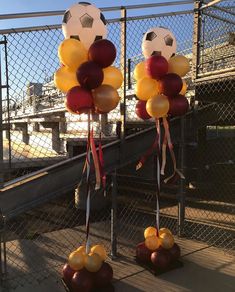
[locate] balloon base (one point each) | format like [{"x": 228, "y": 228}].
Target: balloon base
[
  {"x": 157, "y": 271},
  {"x": 108, "y": 288}
]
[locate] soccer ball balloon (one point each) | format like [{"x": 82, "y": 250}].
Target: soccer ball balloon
[
  {"x": 85, "y": 23},
  {"x": 159, "y": 41}
]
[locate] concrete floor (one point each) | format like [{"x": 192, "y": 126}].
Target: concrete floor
[{"x": 205, "y": 269}]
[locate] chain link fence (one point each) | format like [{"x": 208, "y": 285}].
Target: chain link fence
[{"x": 39, "y": 240}]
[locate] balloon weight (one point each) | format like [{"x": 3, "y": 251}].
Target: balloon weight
[
  {"x": 68, "y": 273},
  {"x": 103, "y": 52},
  {"x": 113, "y": 77},
  {"x": 82, "y": 281},
  {"x": 76, "y": 260},
  {"x": 104, "y": 276},
  {"x": 100, "y": 250},
  {"x": 174, "y": 252},
  {"x": 156, "y": 66},
  {"x": 152, "y": 242},
  {"x": 143, "y": 253},
  {"x": 106, "y": 98},
  {"x": 158, "y": 106},
  {"x": 93, "y": 262},
  {"x": 179, "y": 65},
  {"x": 146, "y": 88},
  {"x": 160, "y": 259},
  {"x": 164, "y": 230},
  {"x": 82, "y": 249},
  {"x": 166, "y": 240},
  {"x": 78, "y": 100},
  {"x": 150, "y": 231}
]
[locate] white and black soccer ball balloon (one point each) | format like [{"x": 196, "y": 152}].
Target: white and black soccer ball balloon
[
  {"x": 159, "y": 41},
  {"x": 84, "y": 22}
]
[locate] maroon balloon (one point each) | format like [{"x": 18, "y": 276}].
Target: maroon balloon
[
  {"x": 160, "y": 259},
  {"x": 174, "y": 252},
  {"x": 156, "y": 66},
  {"x": 82, "y": 281},
  {"x": 178, "y": 105},
  {"x": 79, "y": 100},
  {"x": 143, "y": 253},
  {"x": 104, "y": 276},
  {"x": 67, "y": 273},
  {"x": 171, "y": 84},
  {"x": 140, "y": 110},
  {"x": 90, "y": 75},
  {"x": 103, "y": 52}
]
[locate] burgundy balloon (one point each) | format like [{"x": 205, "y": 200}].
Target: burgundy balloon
[
  {"x": 143, "y": 253},
  {"x": 140, "y": 110},
  {"x": 103, "y": 52},
  {"x": 82, "y": 281},
  {"x": 67, "y": 274},
  {"x": 79, "y": 100},
  {"x": 174, "y": 252},
  {"x": 90, "y": 75},
  {"x": 178, "y": 105},
  {"x": 171, "y": 84},
  {"x": 160, "y": 259},
  {"x": 156, "y": 66},
  {"x": 104, "y": 276}
]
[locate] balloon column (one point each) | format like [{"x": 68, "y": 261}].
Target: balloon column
[
  {"x": 159, "y": 250},
  {"x": 90, "y": 83}
]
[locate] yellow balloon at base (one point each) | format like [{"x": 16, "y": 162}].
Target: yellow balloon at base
[
  {"x": 100, "y": 250},
  {"x": 140, "y": 71},
  {"x": 179, "y": 65},
  {"x": 72, "y": 53},
  {"x": 113, "y": 77},
  {"x": 152, "y": 242},
  {"x": 76, "y": 260},
  {"x": 150, "y": 231},
  {"x": 184, "y": 88},
  {"x": 82, "y": 249},
  {"x": 106, "y": 98},
  {"x": 146, "y": 88},
  {"x": 158, "y": 106},
  {"x": 166, "y": 240},
  {"x": 65, "y": 79},
  {"x": 164, "y": 230},
  {"x": 93, "y": 262}
]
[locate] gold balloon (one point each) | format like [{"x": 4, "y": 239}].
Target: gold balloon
[
  {"x": 179, "y": 65},
  {"x": 158, "y": 106},
  {"x": 100, "y": 250},
  {"x": 166, "y": 240},
  {"x": 113, "y": 77},
  {"x": 76, "y": 260},
  {"x": 184, "y": 88},
  {"x": 150, "y": 231},
  {"x": 72, "y": 53},
  {"x": 152, "y": 242},
  {"x": 93, "y": 262},
  {"x": 140, "y": 71},
  {"x": 65, "y": 79},
  {"x": 106, "y": 98},
  {"x": 164, "y": 230},
  {"x": 146, "y": 88},
  {"x": 82, "y": 249}
]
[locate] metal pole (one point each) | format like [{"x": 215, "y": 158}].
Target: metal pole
[
  {"x": 129, "y": 73},
  {"x": 181, "y": 200},
  {"x": 114, "y": 217},
  {"x": 1, "y": 129}
]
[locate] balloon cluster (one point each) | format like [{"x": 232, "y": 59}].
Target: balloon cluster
[
  {"x": 160, "y": 88},
  {"x": 159, "y": 249},
  {"x": 87, "y": 76},
  {"x": 85, "y": 272}
]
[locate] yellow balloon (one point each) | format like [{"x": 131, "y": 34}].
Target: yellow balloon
[
  {"x": 179, "y": 65},
  {"x": 152, "y": 242},
  {"x": 150, "y": 231},
  {"x": 140, "y": 71},
  {"x": 184, "y": 88},
  {"x": 76, "y": 260},
  {"x": 166, "y": 240},
  {"x": 106, "y": 98},
  {"x": 100, "y": 250},
  {"x": 164, "y": 230},
  {"x": 65, "y": 79},
  {"x": 72, "y": 53},
  {"x": 82, "y": 249},
  {"x": 158, "y": 106},
  {"x": 93, "y": 262},
  {"x": 113, "y": 76},
  {"x": 146, "y": 88}
]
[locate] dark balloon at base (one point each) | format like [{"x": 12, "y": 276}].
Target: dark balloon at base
[
  {"x": 78, "y": 100},
  {"x": 67, "y": 274},
  {"x": 160, "y": 259},
  {"x": 140, "y": 110},
  {"x": 104, "y": 276},
  {"x": 82, "y": 281},
  {"x": 103, "y": 52},
  {"x": 170, "y": 84},
  {"x": 143, "y": 253},
  {"x": 174, "y": 252},
  {"x": 90, "y": 75},
  {"x": 178, "y": 106}
]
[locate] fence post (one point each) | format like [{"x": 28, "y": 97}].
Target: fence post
[
  {"x": 181, "y": 200},
  {"x": 1, "y": 126},
  {"x": 114, "y": 217},
  {"x": 3, "y": 258}
]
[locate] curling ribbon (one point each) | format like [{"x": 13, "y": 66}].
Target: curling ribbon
[
  {"x": 101, "y": 165},
  {"x": 147, "y": 154},
  {"x": 95, "y": 160},
  {"x": 158, "y": 140},
  {"x": 170, "y": 146}
]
